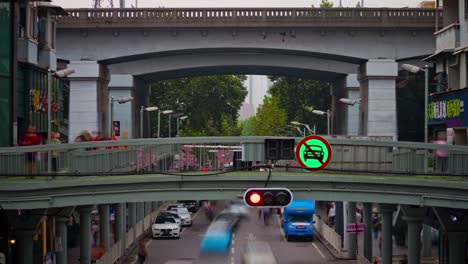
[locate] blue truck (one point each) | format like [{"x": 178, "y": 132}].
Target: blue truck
[{"x": 298, "y": 219}]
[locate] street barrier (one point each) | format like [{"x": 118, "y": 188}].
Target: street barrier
[
  {"x": 362, "y": 260},
  {"x": 327, "y": 235}
]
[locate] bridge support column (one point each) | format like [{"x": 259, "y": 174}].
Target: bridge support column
[
  {"x": 339, "y": 219},
  {"x": 352, "y": 111},
  {"x": 387, "y": 237},
  {"x": 414, "y": 216},
  {"x": 122, "y": 85},
  {"x": 457, "y": 247},
  {"x": 154, "y": 205},
  {"x": 454, "y": 223},
  {"x": 120, "y": 226},
  {"x": 378, "y": 98},
  {"x": 141, "y": 214},
  {"x": 85, "y": 234},
  {"x": 25, "y": 226},
  {"x": 61, "y": 229},
  {"x": 368, "y": 231},
  {"x": 104, "y": 226},
  {"x": 132, "y": 218},
  {"x": 427, "y": 241},
  {"x": 25, "y": 245},
  {"x": 351, "y": 237},
  {"x": 89, "y": 102}
]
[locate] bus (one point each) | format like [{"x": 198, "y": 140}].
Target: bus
[{"x": 298, "y": 220}]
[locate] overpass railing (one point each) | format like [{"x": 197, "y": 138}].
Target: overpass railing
[
  {"x": 174, "y": 155},
  {"x": 324, "y": 17}
]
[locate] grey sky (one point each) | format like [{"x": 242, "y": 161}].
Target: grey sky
[{"x": 240, "y": 3}]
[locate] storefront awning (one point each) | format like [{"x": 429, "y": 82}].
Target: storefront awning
[{"x": 434, "y": 56}]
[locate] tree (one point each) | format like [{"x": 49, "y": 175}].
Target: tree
[
  {"x": 246, "y": 126},
  {"x": 270, "y": 119},
  {"x": 212, "y": 104},
  {"x": 326, "y": 4},
  {"x": 358, "y": 5},
  {"x": 299, "y": 96}
]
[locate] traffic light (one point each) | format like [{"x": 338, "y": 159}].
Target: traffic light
[{"x": 268, "y": 197}]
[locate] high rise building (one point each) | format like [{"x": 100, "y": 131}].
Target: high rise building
[{"x": 257, "y": 86}]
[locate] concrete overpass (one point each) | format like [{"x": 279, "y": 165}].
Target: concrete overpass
[{"x": 146, "y": 45}]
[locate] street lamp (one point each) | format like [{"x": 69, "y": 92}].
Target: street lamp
[
  {"x": 349, "y": 101},
  {"x": 165, "y": 112},
  {"x": 416, "y": 69},
  {"x": 122, "y": 100},
  {"x": 60, "y": 74},
  {"x": 312, "y": 132},
  {"x": 147, "y": 109},
  {"x": 318, "y": 112},
  {"x": 180, "y": 118}
]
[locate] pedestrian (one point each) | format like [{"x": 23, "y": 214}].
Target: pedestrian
[
  {"x": 142, "y": 252},
  {"x": 266, "y": 216},
  {"x": 376, "y": 225},
  {"x": 30, "y": 138},
  {"x": 259, "y": 214}
]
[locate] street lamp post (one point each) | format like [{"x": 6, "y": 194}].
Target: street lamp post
[
  {"x": 312, "y": 132},
  {"x": 61, "y": 74},
  {"x": 180, "y": 118},
  {"x": 165, "y": 112},
  {"x": 148, "y": 109},
  {"x": 318, "y": 112},
  {"x": 122, "y": 100}
]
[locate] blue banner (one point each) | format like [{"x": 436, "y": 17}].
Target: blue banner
[{"x": 448, "y": 108}]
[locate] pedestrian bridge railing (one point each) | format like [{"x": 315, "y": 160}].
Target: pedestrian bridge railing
[
  {"x": 328, "y": 17},
  {"x": 173, "y": 155},
  {"x": 328, "y": 235}
]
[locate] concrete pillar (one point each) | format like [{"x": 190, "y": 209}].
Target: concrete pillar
[
  {"x": 85, "y": 234},
  {"x": 352, "y": 92},
  {"x": 141, "y": 214},
  {"x": 61, "y": 233},
  {"x": 368, "y": 231},
  {"x": 132, "y": 218},
  {"x": 414, "y": 239},
  {"x": 120, "y": 225},
  {"x": 339, "y": 219},
  {"x": 427, "y": 241},
  {"x": 378, "y": 98},
  {"x": 122, "y": 85},
  {"x": 89, "y": 100},
  {"x": 351, "y": 237},
  {"x": 387, "y": 240},
  {"x": 456, "y": 247},
  {"x": 25, "y": 245},
  {"x": 104, "y": 228}
]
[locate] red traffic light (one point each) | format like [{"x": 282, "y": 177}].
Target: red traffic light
[{"x": 268, "y": 197}]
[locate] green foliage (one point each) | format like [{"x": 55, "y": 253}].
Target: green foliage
[
  {"x": 246, "y": 126},
  {"x": 358, "y": 5},
  {"x": 326, "y": 4},
  {"x": 270, "y": 119},
  {"x": 299, "y": 96},
  {"x": 212, "y": 104}
]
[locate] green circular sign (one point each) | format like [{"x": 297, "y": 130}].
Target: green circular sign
[{"x": 313, "y": 153}]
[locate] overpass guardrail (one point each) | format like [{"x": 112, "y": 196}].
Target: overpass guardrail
[
  {"x": 213, "y": 17},
  {"x": 173, "y": 155}
]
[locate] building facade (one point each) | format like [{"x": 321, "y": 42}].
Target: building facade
[{"x": 447, "y": 116}]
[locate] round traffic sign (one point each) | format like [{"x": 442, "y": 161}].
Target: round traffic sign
[{"x": 313, "y": 153}]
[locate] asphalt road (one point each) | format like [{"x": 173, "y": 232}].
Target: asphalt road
[{"x": 186, "y": 250}]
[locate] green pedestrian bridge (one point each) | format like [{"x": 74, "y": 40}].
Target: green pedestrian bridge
[{"x": 224, "y": 167}]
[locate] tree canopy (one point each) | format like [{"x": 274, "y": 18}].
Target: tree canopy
[{"x": 211, "y": 103}]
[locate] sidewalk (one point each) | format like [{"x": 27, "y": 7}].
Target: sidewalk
[{"x": 398, "y": 251}]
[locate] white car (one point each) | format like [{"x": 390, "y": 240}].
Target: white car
[
  {"x": 165, "y": 227},
  {"x": 184, "y": 214}
]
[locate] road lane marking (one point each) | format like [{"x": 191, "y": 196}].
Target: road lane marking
[
  {"x": 233, "y": 242},
  {"x": 232, "y": 251},
  {"x": 318, "y": 250}
]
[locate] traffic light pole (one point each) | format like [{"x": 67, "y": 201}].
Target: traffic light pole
[{"x": 270, "y": 168}]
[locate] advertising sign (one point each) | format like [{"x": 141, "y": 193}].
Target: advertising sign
[
  {"x": 448, "y": 108},
  {"x": 355, "y": 228}
]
